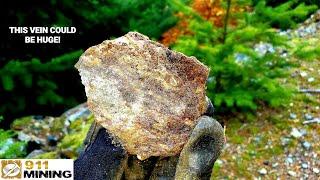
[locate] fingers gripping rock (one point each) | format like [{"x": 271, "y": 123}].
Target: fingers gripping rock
[
  {"x": 101, "y": 159},
  {"x": 201, "y": 151}
]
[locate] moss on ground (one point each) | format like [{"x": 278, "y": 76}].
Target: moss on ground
[
  {"x": 48, "y": 155},
  {"x": 21, "y": 122},
  {"x": 72, "y": 143}
]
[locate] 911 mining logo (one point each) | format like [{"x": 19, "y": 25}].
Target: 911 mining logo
[
  {"x": 36, "y": 169},
  {"x": 10, "y": 169}
]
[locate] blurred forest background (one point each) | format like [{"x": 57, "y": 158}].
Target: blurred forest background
[{"x": 259, "y": 53}]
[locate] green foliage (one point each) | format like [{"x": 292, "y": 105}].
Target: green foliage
[
  {"x": 152, "y": 21},
  {"x": 33, "y": 82},
  {"x": 240, "y": 77},
  {"x": 9, "y": 148},
  {"x": 48, "y": 155},
  {"x": 278, "y": 2},
  {"x": 73, "y": 142},
  {"x": 283, "y": 16},
  {"x": 303, "y": 51},
  {"x": 148, "y": 16}
]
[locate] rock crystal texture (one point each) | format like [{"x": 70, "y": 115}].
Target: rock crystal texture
[{"x": 147, "y": 96}]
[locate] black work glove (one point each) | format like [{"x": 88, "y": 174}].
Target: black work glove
[{"x": 102, "y": 159}]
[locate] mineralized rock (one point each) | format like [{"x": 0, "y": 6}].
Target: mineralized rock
[{"x": 147, "y": 96}]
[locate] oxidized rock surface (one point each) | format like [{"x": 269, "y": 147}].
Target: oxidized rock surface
[{"x": 146, "y": 95}]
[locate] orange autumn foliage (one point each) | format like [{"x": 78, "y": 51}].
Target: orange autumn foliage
[{"x": 211, "y": 10}]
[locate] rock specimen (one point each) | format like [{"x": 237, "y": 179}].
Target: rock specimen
[{"x": 147, "y": 96}]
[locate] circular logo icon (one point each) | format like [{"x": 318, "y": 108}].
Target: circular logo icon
[{"x": 11, "y": 170}]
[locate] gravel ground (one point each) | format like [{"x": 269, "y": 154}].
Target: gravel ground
[{"x": 285, "y": 143}]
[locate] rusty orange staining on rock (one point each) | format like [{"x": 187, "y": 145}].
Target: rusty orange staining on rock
[{"x": 147, "y": 96}]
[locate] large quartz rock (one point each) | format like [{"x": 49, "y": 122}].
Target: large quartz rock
[{"x": 147, "y": 96}]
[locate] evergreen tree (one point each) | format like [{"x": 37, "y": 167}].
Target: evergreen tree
[
  {"x": 283, "y": 16},
  {"x": 242, "y": 76},
  {"x": 33, "y": 86}
]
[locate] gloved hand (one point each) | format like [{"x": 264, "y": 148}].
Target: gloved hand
[{"x": 102, "y": 159}]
